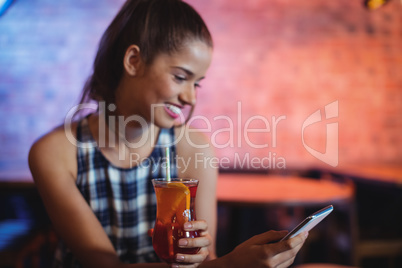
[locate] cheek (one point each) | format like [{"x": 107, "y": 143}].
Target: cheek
[{"x": 166, "y": 89}]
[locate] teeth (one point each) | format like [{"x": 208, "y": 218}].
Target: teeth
[{"x": 174, "y": 109}]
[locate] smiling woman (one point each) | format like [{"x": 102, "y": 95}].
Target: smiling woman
[{"x": 149, "y": 63}]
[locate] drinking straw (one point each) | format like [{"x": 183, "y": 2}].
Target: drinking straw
[{"x": 167, "y": 155}]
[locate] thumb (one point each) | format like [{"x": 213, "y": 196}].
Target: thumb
[{"x": 267, "y": 237}]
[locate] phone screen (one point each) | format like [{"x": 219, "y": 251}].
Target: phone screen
[{"x": 310, "y": 222}]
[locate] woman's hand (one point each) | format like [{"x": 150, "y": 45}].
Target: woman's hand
[
  {"x": 193, "y": 260},
  {"x": 264, "y": 251}
]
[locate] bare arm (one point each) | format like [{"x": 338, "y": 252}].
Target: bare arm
[{"x": 52, "y": 161}]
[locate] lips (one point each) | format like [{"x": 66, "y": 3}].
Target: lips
[{"x": 173, "y": 110}]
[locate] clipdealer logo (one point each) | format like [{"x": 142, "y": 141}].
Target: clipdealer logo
[
  {"x": 331, "y": 154},
  {"x": 272, "y": 160}
]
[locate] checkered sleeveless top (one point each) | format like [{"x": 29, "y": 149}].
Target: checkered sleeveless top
[{"x": 122, "y": 199}]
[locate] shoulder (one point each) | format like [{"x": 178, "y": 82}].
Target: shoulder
[
  {"x": 195, "y": 153},
  {"x": 54, "y": 150},
  {"x": 191, "y": 140}
]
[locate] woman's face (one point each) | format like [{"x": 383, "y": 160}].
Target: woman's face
[{"x": 160, "y": 91}]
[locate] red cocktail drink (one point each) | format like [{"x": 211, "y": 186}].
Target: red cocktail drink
[{"x": 175, "y": 206}]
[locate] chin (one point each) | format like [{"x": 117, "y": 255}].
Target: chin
[{"x": 165, "y": 123}]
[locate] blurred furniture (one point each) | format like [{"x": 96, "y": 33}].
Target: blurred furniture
[
  {"x": 377, "y": 174},
  {"x": 26, "y": 237},
  {"x": 379, "y": 204},
  {"x": 280, "y": 190},
  {"x": 285, "y": 201}
]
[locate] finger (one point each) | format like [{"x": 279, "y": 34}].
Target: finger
[
  {"x": 193, "y": 258},
  {"x": 196, "y": 225},
  {"x": 277, "y": 257},
  {"x": 298, "y": 239},
  {"x": 288, "y": 244},
  {"x": 284, "y": 250},
  {"x": 287, "y": 263},
  {"x": 203, "y": 233},
  {"x": 198, "y": 242},
  {"x": 267, "y": 237},
  {"x": 287, "y": 258},
  {"x": 181, "y": 265},
  {"x": 184, "y": 265}
]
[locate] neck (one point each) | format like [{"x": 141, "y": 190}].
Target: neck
[
  {"x": 123, "y": 145},
  {"x": 129, "y": 131}
]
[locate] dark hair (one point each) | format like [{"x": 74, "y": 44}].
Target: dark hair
[{"x": 155, "y": 26}]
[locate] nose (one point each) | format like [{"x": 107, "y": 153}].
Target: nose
[{"x": 188, "y": 95}]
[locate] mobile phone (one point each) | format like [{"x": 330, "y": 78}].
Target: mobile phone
[{"x": 308, "y": 223}]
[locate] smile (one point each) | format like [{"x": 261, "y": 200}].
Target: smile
[{"x": 172, "y": 110}]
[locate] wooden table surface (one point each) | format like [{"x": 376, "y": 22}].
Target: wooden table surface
[
  {"x": 375, "y": 173},
  {"x": 289, "y": 190}
]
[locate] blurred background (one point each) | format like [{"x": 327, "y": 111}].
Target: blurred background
[{"x": 308, "y": 90}]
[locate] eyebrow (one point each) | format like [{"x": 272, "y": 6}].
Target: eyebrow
[{"x": 188, "y": 72}]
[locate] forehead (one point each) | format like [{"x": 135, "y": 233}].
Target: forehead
[
  {"x": 194, "y": 54},
  {"x": 193, "y": 49}
]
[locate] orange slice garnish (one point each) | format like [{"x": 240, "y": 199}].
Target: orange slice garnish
[
  {"x": 184, "y": 189},
  {"x": 173, "y": 200}
]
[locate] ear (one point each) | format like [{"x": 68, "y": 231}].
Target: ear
[{"x": 132, "y": 60}]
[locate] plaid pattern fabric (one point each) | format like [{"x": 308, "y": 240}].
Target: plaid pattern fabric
[{"x": 122, "y": 199}]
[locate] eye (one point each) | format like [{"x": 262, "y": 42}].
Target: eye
[
  {"x": 180, "y": 78},
  {"x": 197, "y": 85}
]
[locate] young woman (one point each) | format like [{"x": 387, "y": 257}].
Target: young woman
[{"x": 95, "y": 175}]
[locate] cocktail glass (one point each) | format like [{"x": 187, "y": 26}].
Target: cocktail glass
[{"x": 174, "y": 207}]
